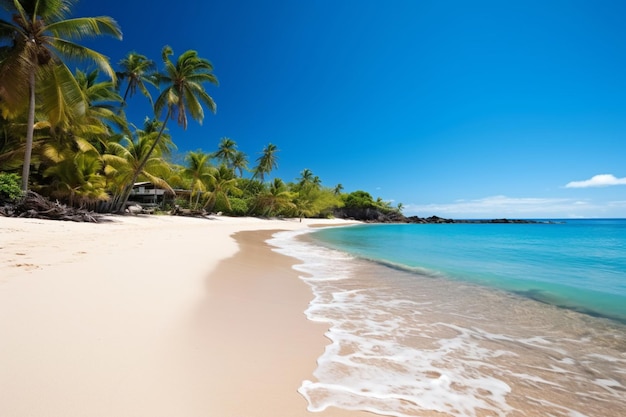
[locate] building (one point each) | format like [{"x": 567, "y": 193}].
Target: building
[{"x": 146, "y": 193}]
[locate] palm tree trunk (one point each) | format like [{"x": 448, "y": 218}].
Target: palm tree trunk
[
  {"x": 126, "y": 93},
  {"x": 30, "y": 131},
  {"x": 129, "y": 187}
]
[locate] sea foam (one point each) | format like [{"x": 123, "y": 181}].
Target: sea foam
[
  {"x": 368, "y": 367},
  {"x": 405, "y": 344}
]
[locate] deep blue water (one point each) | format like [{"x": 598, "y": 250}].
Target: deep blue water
[{"x": 575, "y": 264}]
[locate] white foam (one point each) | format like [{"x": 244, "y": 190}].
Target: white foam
[
  {"x": 368, "y": 367},
  {"x": 394, "y": 351},
  {"x": 606, "y": 358},
  {"x": 607, "y": 383}
]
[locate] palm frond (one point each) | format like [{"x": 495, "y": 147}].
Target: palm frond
[
  {"x": 49, "y": 9},
  {"x": 53, "y": 153},
  {"x": 207, "y": 100},
  {"x": 81, "y": 27},
  {"x": 158, "y": 181},
  {"x": 84, "y": 145},
  {"x": 78, "y": 52},
  {"x": 194, "y": 106},
  {"x": 61, "y": 97},
  {"x": 15, "y": 68},
  {"x": 200, "y": 78}
]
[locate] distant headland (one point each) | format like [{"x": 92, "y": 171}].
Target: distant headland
[{"x": 373, "y": 215}]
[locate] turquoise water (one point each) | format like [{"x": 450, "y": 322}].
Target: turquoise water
[
  {"x": 577, "y": 264},
  {"x": 467, "y": 320}
]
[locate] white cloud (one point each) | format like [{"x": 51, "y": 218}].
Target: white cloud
[
  {"x": 521, "y": 208},
  {"x": 602, "y": 180}
]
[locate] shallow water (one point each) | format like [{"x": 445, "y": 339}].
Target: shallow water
[
  {"x": 579, "y": 264},
  {"x": 406, "y": 343}
]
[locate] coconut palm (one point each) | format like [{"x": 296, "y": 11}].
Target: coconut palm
[
  {"x": 200, "y": 173},
  {"x": 102, "y": 100},
  {"x": 66, "y": 146},
  {"x": 152, "y": 128},
  {"x": 39, "y": 36},
  {"x": 308, "y": 182},
  {"x": 222, "y": 185},
  {"x": 266, "y": 162},
  {"x": 183, "y": 92},
  {"x": 240, "y": 162},
  {"x": 275, "y": 199},
  {"x": 226, "y": 151},
  {"x": 76, "y": 177},
  {"x": 306, "y": 177},
  {"x": 137, "y": 70},
  {"x": 128, "y": 159}
]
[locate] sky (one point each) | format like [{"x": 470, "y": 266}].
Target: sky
[{"x": 460, "y": 109}]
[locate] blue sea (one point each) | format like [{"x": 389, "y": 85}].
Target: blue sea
[{"x": 468, "y": 319}]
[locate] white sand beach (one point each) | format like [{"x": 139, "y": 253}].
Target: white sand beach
[{"x": 153, "y": 316}]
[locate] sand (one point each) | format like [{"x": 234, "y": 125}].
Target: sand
[{"x": 154, "y": 316}]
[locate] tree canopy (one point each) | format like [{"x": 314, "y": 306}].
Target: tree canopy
[{"x": 68, "y": 130}]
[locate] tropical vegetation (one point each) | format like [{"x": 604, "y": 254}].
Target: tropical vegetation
[{"x": 65, "y": 134}]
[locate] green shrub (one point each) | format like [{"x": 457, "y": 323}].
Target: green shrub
[
  {"x": 182, "y": 203},
  {"x": 238, "y": 207},
  {"x": 359, "y": 199},
  {"x": 10, "y": 187}
]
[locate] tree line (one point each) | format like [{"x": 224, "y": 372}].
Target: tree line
[{"x": 65, "y": 135}]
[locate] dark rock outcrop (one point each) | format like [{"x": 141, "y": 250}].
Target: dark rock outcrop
[
  {"x": 372, "y": 215},
  {"x": 435, "y": 219},
  {"x": 369, "y": 214}
]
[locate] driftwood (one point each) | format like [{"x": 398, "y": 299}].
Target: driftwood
[
  {"x": 36, "y": 206},
  {"x": 178, "y": 211}
]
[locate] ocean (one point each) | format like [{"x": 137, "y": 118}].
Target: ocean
[{"x": 468, "y": 320}]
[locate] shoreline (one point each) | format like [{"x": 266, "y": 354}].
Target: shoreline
[
  {"x": 154, "y": 316},
  {"x": 266, "y": 338}
]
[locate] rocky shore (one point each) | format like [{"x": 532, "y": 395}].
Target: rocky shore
[{"x": 370, "y": 215}]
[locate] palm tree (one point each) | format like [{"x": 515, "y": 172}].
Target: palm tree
[
  {"x": 240, "y": 162},
  {"x": 39, "y": 36},
  {"x": 274, "y": 200},
  {"x": 183, "y": 92},
  {"x": 308, "y": 183},
  {"x": 227, "y": 149},
  {"x": 306, "y": 177},
  {"x": 200, "y": 172},
  {"x": 128, "y": 159},
  {"x": 222, "y": 185},
  {"x": 102, "y": 99},
  {"x": 266, "y": 162},
  {"x": 137, "y": 70},
  {"x": 338, "y": 189},
  {"x": 57, "y": 150},
  {"x": 152, "y": 128},
  {"x": 76, "y": 177}
]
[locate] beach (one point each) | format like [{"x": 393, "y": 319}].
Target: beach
[
  {"x": 245, "y": 317},
  {"x": 154, "y": 316}
]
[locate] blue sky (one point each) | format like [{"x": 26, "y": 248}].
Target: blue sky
[{"x": 464, "y": 109}]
